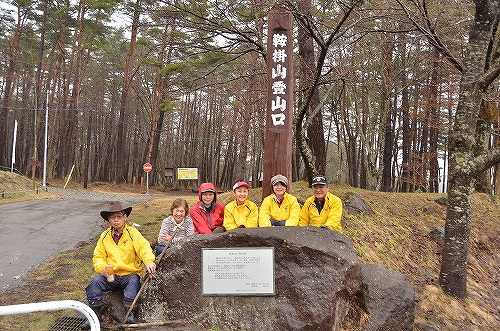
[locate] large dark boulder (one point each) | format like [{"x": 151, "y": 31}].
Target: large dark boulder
[
  {"x": 317, "y": 273},
  {"x": 437, "y": 233},
  {"x": 357, "y": 205},
  {"x": 318, "y": 278},
  {"x": 388, "y": 298}
]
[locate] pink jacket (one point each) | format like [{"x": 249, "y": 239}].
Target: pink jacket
[{"x": 205, "y": 221}]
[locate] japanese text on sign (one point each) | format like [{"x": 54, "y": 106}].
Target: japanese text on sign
[
  {"x": 238, "y": 271},
  {"x": 278, "y": 74},
  {"x": 187, "y": 173}
]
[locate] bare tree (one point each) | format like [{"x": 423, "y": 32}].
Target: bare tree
[
  {"x": 337, "y": 30},
  {"x": 122, "y": 171},
  {"x": 478, "y": 71},
  {"x": 23, "y": 12},
  {"x": 307, "y": 66}
]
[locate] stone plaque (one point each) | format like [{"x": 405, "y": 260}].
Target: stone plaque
[{"x": 238, "y": 271}]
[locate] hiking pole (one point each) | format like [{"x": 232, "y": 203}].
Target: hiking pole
[
  {"x": 158, "y": 259},
  {"x": 146, "y": 281}
]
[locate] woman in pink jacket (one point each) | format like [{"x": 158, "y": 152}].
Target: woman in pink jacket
[{"x": 207, "y": 214}]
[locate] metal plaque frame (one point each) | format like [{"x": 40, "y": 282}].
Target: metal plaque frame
[{"x": 238, "y": 271}]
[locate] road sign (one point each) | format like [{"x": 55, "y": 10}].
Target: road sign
[{"x": 147, "y": 167}]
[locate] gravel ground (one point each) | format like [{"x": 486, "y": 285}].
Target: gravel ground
[{"x": 98, "y": 196}]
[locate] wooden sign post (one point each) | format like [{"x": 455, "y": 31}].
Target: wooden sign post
[
  {"x": 278, "y": 139},
  {"x": 34, "y": 163}
]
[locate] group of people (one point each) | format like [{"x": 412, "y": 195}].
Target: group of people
[
  {"x": 121, "y": 249},
  {"x": 322, "y": 209}
]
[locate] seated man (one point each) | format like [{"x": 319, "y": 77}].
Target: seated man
[
  {"x": 323, "y": 209},
  {"x": 120, "y": 250}
]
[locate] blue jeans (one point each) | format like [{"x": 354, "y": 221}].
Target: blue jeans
[
  {"x": 159, "y": 249},
  {"x": 130, "y": 284},
  {"x": 277, "y": 223}
]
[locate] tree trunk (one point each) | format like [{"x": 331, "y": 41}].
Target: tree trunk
[
  {"x": 387, "y": 116},
  {"x": 315, "y": 131},
  {"x": 86, "y": 168},
  {"x": 63, "y": 121},
  {"x": 433, "y": 110},
  {"x": 406, "y": 148},
  {"x": 487, "y": 114},
  {"x": 463, "y": 165},
  {"x": 121, "y": 145},
  {"x": 72, "y": 124},
  {"x": 38, "y": 82},
  {"x": 161, "y": 95},
  {"x": 8, "y": 87}
]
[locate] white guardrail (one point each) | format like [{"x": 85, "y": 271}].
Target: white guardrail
[{"x": 54, "y": 305}]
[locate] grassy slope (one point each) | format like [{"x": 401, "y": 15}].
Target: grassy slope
[
  {"x": 14, "y": 187},
  {"x": 394, "y": 236}
]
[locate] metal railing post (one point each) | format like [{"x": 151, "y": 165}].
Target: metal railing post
[{"x": 54, "y": 305}]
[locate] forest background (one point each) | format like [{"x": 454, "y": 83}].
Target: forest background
[
  {"x": 183, "y": 84},
  {"x": 389, "y": 96}
]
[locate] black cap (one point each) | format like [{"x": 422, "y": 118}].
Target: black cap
[{"x": 319, "y": 180}]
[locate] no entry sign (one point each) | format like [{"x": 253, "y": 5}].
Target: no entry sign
[{"x": 147, "y": 167}]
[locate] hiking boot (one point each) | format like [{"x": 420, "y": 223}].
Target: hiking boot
[
  {"x": 131, "y": 318},
  {"x": 97, "y": 308}
]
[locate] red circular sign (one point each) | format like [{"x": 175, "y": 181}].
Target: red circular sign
[{"x": 147, "y": 167}]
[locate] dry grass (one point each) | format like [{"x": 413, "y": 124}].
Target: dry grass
[
  {"x": 14, "y": 187},
  {"x": 394, "y": 236}
]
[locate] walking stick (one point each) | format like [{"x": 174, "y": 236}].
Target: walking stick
[{"x": 146, "y": 281}]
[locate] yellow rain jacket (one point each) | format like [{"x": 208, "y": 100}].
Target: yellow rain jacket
[
  {"x": 247, "y": 214},
  {"x": 330, "y": 215},
  {"x": 126, "y": 256},
  {"x": 288, "y": 211}
]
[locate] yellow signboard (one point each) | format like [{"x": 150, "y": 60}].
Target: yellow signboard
[{"x": 187, "y": 173}]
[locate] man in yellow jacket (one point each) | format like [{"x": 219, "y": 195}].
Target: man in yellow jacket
[
  {"x": 323, "y": 209},
  {"x": 279, "y": 208},
  {"x": 241, "y": 212},
  {"x": 118, "y": 258}
]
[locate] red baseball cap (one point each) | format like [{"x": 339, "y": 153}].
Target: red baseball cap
[{"x": 240, "y": 184}]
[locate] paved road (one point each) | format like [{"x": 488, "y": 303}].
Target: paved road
[{"x": 32, "y": 232}]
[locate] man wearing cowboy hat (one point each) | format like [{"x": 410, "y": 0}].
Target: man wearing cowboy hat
[{"x": 124, "y": 249}]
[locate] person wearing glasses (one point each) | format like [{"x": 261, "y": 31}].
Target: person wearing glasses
[
  {"x": 323, "y": 209},
  {"x": 118, "y": 257}
]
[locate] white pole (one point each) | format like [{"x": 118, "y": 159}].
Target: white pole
[
  {"x": 44, "y": 182},
  {"x": 14, "y": 147}
]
